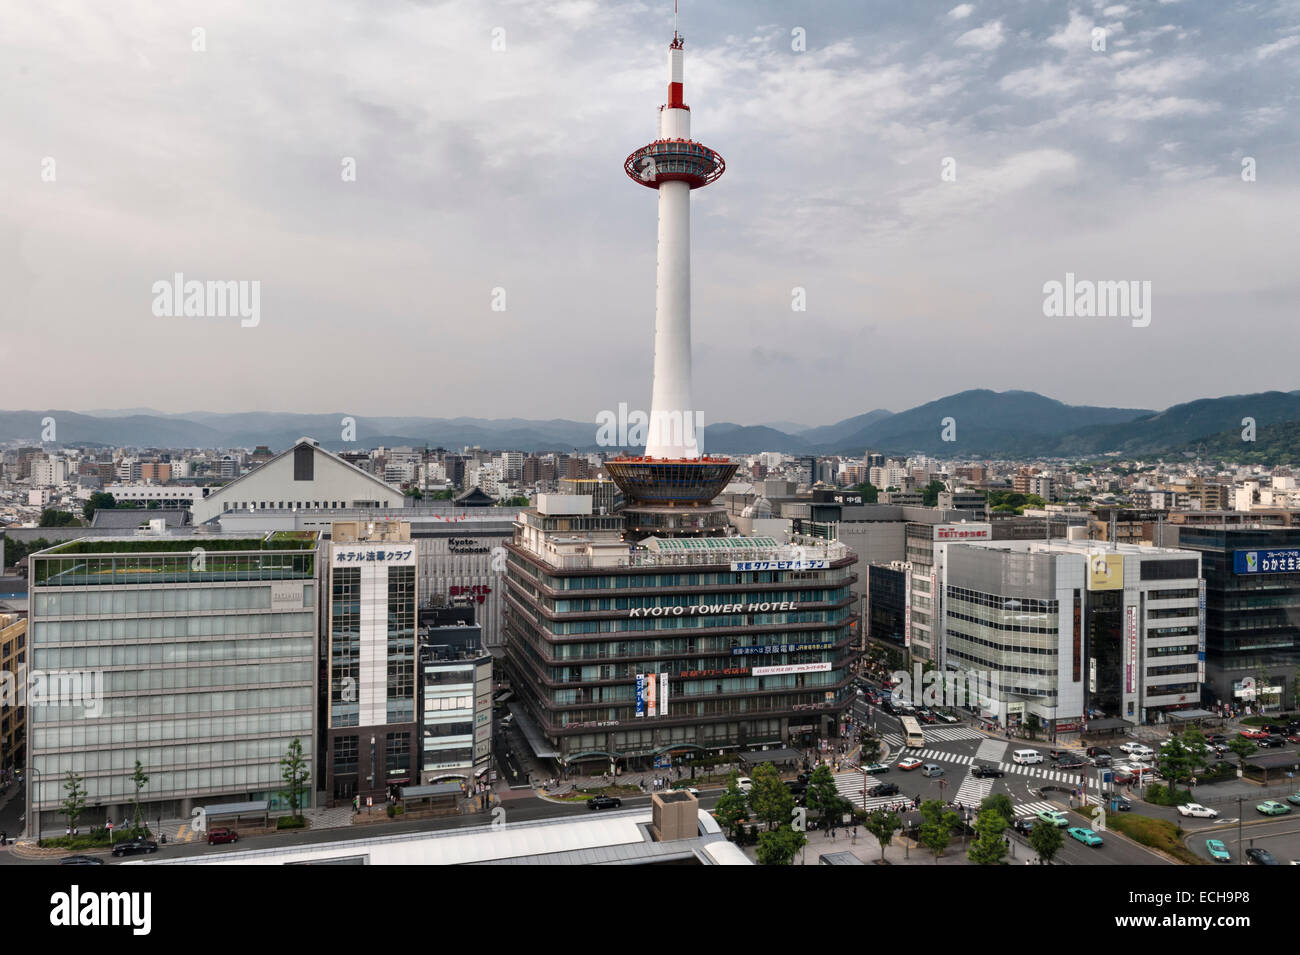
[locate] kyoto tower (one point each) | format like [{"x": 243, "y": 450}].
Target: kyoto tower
[{"x": 669, "y": 491}]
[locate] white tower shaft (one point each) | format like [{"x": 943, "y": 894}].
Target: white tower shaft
[{"x": 672, "y": 432}]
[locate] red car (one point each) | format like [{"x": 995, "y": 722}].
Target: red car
[
  {"x": 1254, "y": 734},
  {"x": 218, "y": 836},
  {"x": 1293, "y": 737}
]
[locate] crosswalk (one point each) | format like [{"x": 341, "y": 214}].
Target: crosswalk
[
  {"x": 936, "y": 734},
  {"x": 849, "y": 786},
  {"x": 992, "y": 751},
  {"x": 972, "y": 791},
  {"x": 1034, "y": 808},
  {"x": 1033, "y": 772}
]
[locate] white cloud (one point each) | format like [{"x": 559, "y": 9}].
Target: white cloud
[
  {"x": 1075, "y": 36},
  {"x": 961, "y": 11},
  {"x": 1160, "y": 75},
  {"x": 1264, "y": 52},
  {"x": 1046, "y": 79},
  {"x": 987, "y": 37}
]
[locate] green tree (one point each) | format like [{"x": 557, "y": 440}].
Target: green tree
[
  {"x": 870, "y": 493},
  {"x": 1046, "y": 841},
  {"x": 414, "y": 493},
  {"x": 937, "y": 825},
  {"x": 520, "y": 500},
  {"x": 293, "y": 770},
  {"x": 74, "y": 799},
  {"x": 1243, "y": 749},
  {"x": 141, "y": 780},
  {"x": 823, "y": 798},
  {"x": 883, "y": 825},
  {"x": 871, "y": 749},
  {"x": 930, "y": 493},
  {"x": 988, "y": 847},
  {"x": 779, "y": 846},
  {"x": 54, "y": 518},
  {"x": 1032, "y": 725},
  {"x": 770, "y": 798},
  {"x": 1175, "y": 762},
  {"x": 732, "y": 807},
  {"x": 1001, "y": 804},
  {"x": 100, "y": 500}
]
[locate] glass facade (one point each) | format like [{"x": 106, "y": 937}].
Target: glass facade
[{"x": 199, "y": 665}]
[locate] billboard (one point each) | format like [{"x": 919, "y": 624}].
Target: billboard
[
  {"x": 640, "y": 694},
  {"x": 650, "y": 695},
  {"x": 1266, "y": 561},
  {"x": 663, "y": 694},
  {"x": 791, "y": 668},
  {"x": 1105, "y": 571},
  {"x": 963, "y": 532},
  {"x": 1131, "y": 651}
]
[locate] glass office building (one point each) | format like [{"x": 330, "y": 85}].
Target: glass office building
[{"x": 194, "y": 656}]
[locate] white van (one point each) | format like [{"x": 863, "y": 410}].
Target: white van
[{"x": 1025, "y": 756}]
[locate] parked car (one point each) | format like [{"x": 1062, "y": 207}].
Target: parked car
[
  {"x": 1254, "y": 734},
  {"x": 1086, "y": 836},
  {"x": 604, "y": 802},
  {"x": 1272, "y": 807},
  {"x": 1053, "y": 817},
  {"x": 1273, "y": 742},
  {"x": 909, "y": 762},
  {"x": 875, "y": 769},
  {"x": 883, "y": 789},
  {"x": 81, "y": 860},
  {"x": 135, "y": 847},
  {"x": 1023, "y": 825},
  {"x": 745, "y": 784},
  {"x": 1197, "y": 810},
  {"x": 1217, "y": 850},
  {"x": 1216, "y": 738},
  {"x": 986, "y": 772},
  {"x": 220, "y": 836},
  {"x": 1259, "y": 856}
]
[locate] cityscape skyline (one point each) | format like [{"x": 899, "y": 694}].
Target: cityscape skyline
[{"x": 1117, "y": 165}]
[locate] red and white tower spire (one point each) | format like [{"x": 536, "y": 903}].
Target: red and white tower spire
[{"x": 673, "y": 164}]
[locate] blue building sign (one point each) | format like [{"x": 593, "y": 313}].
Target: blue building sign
[{"x": 1266, "y": 561}]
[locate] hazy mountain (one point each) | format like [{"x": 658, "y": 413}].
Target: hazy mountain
[{"x": 987, "y": 423}]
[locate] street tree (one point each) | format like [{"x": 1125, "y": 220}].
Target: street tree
[
  {"x": 1242, "y": 748},
  {"x": 74, "y": 799},
  {"x": 770, "y": 798},
  {"x": 1176, "y": 763},
  {"x": 870, "y": 744},
  {"x": 1001, "y": 804},
  {"x": 100, "y": 500},
  {"x": 779, "y": 846},
  {"x": 822, "y": 797},
  {"x": 883, "y": 825},
  {"x": 937, "y": 825},
  {"x": 1046, "y": 841},
  {"x": 732, "y": 807},
  {"x": 988, "y": 848},
  {"x": 140, "y": 780},
  {"x": 293, "y": 770}
]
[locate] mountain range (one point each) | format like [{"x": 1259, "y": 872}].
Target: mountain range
[{"x": 970, "y": 424}]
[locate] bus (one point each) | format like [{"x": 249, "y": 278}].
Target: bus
[{"x": 912, "y": 735}]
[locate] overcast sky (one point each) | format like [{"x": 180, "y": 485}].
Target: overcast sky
[{"x": 479, "y": 168}]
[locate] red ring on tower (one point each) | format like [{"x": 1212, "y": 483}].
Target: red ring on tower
[{"x": 674, "y": 160}]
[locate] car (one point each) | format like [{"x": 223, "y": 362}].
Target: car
[
  {"x": 219, "y": 836},
  {"x": 1253, "y": 734},
  {"x": 1101, "y": 760},
  {"x": 80, "y": 860},
  {"x": 604, "y": 802},
  {"x": 1221, "y": 748},
  {"x": 1216, "y": 738},
  {"x": 1217, "y": 850},
  {"x": 1293, "y": 737},
  {"x": 926, "y": 717},
  {"x": 1053, "y": 817},
  {"x": 947, "y": 718},
  {"x": 1086, "y": 836},
  {"x": 1259, "y": 856},
  {"x": 1273, "y": 742},
  {"x": 875, "y": 769},
  {"x": 986, "y": 772},
  {"x": 1294, "y": 799},
  {"x": 883, "y": 789},
  {"x": 931, "y": 769},
  {"x": 1023, "y": 825},
  {"x": 1272, "y": 807},
  {"x": 1097, "y": 751},
  {"x": 1138, "y": 751},
  {"x": 745, "y": 784},
  {"x": 135, "y": 847},
  {"x": 1070, "y": 761},
  {"x": 1197, "y": 810},
  {"x": 796, "y": 787},
  {"x": 1055, "y": 753},
  {"x": 1122, "y": 803},
  {"x": 909, "y": 762},
  {"x": 1123, "y": 775}
]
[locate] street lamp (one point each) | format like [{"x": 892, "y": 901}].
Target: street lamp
[{"x": 36, "y": 803}]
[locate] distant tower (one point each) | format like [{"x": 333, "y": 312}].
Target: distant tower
[{"x": 673, "y": 472}]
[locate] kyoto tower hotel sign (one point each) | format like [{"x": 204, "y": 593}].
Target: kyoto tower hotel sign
[{"x": 673, "y": 474}]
